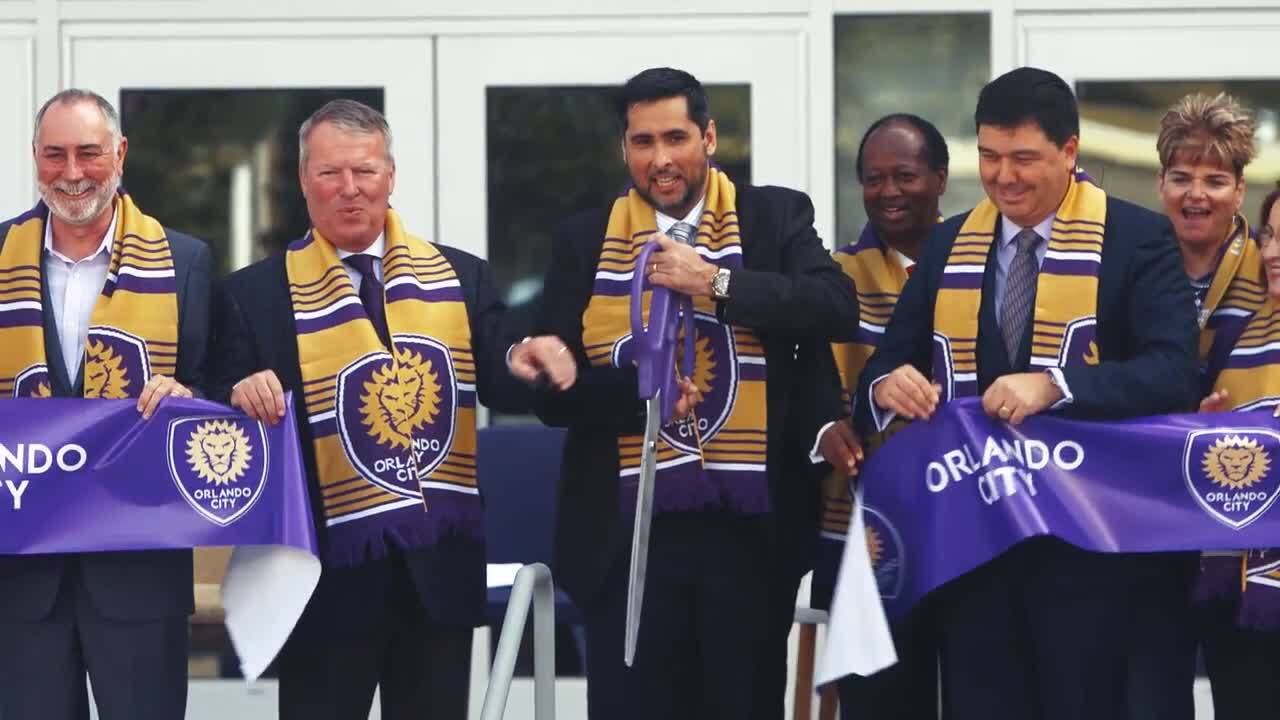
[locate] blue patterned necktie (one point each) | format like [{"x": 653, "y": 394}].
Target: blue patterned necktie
[
  {"x": 371, "y": 295},
  {"x": 1019, "y": 292},
  {"x": 682, "y": 232}
]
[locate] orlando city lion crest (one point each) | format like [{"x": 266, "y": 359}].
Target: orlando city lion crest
[
  {"x": 1232, "y": 474},
  {"x": 396, "y": 412},
  {"x": 885, "y": 547},
  {"x": 219, "y": 464},
  {"x": 116, "y": 365},
  {"x": 715, "y": 372},
  {"x": 33, "y": 383}
]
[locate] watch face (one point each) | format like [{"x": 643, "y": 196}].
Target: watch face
[{"x": 720, "y": 283}]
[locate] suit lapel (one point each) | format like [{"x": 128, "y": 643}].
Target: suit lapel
[{"x": 287, "y": 351}]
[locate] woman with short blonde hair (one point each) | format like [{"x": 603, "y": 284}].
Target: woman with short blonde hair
[{"x": 1205, "y": 143}]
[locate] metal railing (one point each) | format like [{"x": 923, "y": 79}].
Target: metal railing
[{"x": 532, "y": 586}]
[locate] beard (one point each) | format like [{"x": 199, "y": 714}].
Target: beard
[
  {"x": 695, "y": 185},
  {"x": 84, "y": 210}
]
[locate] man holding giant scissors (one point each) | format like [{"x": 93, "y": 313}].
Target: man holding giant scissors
[{"x": 735, "y": 494}]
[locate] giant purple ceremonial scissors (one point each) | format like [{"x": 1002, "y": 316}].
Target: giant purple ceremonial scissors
[{"x": 655, "y": 357}]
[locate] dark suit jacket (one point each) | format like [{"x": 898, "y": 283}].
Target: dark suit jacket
[
  {"x": 1146, "y": 332},
  {"x": 790, "y": 292},
  {"x": 254, "y": 330},
  {"x": 128, "y": 586}
]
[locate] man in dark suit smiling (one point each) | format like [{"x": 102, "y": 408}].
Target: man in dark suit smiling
[
  {"x": 736, "y": 492},
  {"x": 386, "y": 341},
  {"x": 123, "y": 313},
  {"x": 1048, "y": 295}
]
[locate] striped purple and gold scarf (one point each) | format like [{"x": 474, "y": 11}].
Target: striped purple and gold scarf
[
  {"x": 1064, "y": 330},
  {"x": 721, "y": 461},
  {"x": 1237, "y": 291},
  {"x": 133, "y": 331},
  {"x": 394, "y": 430},
  {"x": 1250, "y": 375}
]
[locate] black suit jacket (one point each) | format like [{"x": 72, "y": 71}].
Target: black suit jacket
[
  {"x": 254, "y": 330},
  {"x": 1146, "y": 331},
  {"x": 790, "y": 292},
  {"x": 128, "y": 586}
]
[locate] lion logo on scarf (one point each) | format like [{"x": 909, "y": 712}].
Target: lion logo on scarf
[
  {"x": 105, "y": 375},
  {"x": 886, "y": 551},
  {"x": 400, "y": 398},
  {"x": 33, "y": 382},
  {"x": 875, "y": 546},
  {"x": 704, "y": 364},
  {"x": 219, "y": 452},
  {"x": 1091, "y": 356},
  {"x": 397, "y": 412},
  {"x": 1236, "y": 462},
  {"x": 715, "y": 372}
]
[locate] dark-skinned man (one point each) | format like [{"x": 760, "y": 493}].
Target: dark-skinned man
[{"x": 902, "y": 165}]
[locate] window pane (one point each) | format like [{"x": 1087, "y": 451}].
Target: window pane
[
  {"x": 223, "y": 164},
  {"x": 1119, "y": 122},
  {"x": 553, "y": 151},
  {"x": 928, "y": 65}
]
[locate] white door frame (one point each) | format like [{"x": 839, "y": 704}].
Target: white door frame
[{"x": 1158, "y": 45}]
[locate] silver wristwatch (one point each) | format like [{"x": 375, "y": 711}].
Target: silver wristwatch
[{"x": 720, "y": 284}]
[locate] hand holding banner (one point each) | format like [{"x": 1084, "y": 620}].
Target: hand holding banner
[
  {"x": 92, "y": 475},
  {"x": 975, "y": 486}
]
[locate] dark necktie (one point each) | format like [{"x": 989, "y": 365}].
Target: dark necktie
[
  {"x": 1019, "y": 293},
  {"x": 371, "y": 295}
]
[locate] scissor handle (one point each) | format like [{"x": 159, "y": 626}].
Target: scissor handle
[{"x": 655, "y": 343}]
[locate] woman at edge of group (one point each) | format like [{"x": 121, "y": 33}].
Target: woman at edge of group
[
  {"x": 1239, "y": 622},
  {"x": 1204, "y": 144}
]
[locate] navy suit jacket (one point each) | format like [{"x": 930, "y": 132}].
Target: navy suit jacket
[
  {"x": 1146, "y": 332},
  {"x": 797, "y": 300},
  {"x": 126, "y": 586},
  {"x": 254, "y": 330}
]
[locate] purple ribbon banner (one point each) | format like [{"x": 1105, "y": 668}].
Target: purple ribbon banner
[
  {"x": 946, "y": 496},
  {"x": 92, "y": 475}
]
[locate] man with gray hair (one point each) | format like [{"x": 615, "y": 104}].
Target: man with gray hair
[
  {"x": 386, "y": 341},
  {"x": 123, "y": 314}
]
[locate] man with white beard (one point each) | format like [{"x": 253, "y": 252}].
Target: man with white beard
[{"x": 123, "y": 313}]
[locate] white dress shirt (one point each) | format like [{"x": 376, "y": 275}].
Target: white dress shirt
[
  {"x": 903, "y": 261},
  {"x": 665, "y": 221},
  {"x": 74, "y": 288}
]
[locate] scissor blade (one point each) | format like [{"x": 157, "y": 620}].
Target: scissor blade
[{"x": 644, "y": 516}]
